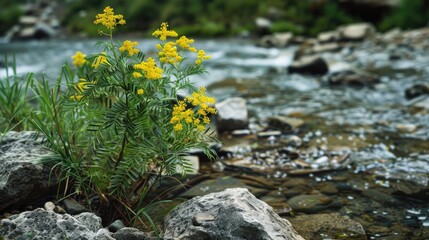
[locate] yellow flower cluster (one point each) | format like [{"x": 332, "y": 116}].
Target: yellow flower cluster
[
  {"x": 140, "y": 91},
  {"x": 101, "y": 59},
  {"x": 185, "y": 43},
  {"x": 79, "y": 59},
  {"x": 163, "y": 32},
  {"x": 168, "y": 53},
  {"x": 151, "y": 71},
  {"x": 129, "y": 47},
  {"x": 183, "y": 115},
  {"x": 201, "y": 57},
  {"x": 109, "y": 19}
]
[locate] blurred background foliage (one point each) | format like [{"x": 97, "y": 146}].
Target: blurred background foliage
[{"x": 212, "y": 18}]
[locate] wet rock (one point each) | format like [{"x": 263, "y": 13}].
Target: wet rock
[
  {"x": 293, "y": 141},
  {"x": 356, "y": 31},
  {"x": 278, "y": 40},
  {"x": 28, "y": 20},
  {"x": 330, "y": 226},
  {"x": 293, "y": 182},
  {"x": 417, "y": 90},
  {"x": 340, "y": 143},
  {"x": 296, "y": 191},
  {"x": 380, "y": 197},
  {"x": 284, "y": 123},
  {"x": 42, "y": 224},
  {"x": 326, "y": 47},
  {"x": 232, "y": 114},
  {"x": 268, "y": 134},
  {"x": 309, "y": 65},
  {"x": 406, "y": 127},
  {"x": 72, "y": 207},
  {"x": 312, "y": 203},
  {"x": 327, "y": 188},
  {"x": 128, "y": 233},
  {"x": 352, "y": 78},
  {"x": 241, "y": 132},
  {"x": 116, "y": 226},
  {"x": 330, "y": 36},
  {"x": 422, "y": 103},
  {"x": 238, "y": 215},
  {"x": 22, "y": 179},
  {"x": 411, "y": 190}
]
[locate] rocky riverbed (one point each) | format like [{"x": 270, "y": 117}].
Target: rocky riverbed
[{"x": 332, "y": 132}]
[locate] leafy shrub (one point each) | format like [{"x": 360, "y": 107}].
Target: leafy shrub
[{"x": 119, "y": 125}]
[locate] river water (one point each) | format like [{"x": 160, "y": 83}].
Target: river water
[{"x": 385, "y": 134}]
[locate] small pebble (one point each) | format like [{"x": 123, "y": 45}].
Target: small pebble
[{"x": 49, "y": 206}]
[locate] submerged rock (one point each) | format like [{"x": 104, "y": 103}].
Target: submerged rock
[
  {"x": 417, "y": 90},
  {"x": 284, "y": 123},
  {"x": 309, "y": 65},
  {"x": 237, "y": 215},
  {"x": 312, "y": 203},
  {"x": 352, "y": 78},
  {"x": 330, "y": 226},
  {"x": 22, "y": 179}
]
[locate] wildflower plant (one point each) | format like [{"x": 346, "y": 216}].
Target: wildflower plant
[{"x": 124, "y": 123}]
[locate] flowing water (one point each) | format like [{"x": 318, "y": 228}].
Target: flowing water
[{"x": 385, "y": 183}]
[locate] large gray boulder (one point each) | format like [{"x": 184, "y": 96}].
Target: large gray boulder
[
  {"x": 232, "y": 114},
  {"x": 231, "y": 214},
  {"x": 42, "y": 224},
  {"x": 22, "y": 180}
]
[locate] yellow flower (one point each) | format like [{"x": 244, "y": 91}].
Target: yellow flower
[
  {"x": 101, "y": 59},
  {"x": 168, "y": 53},
  {"x": 163, "y": 32},
  {"x": 79, "y": 59},
  {"x": 178, "y": 127},
  {"x": 140, "y": 91},
  {"x": 129, "y": 47},
  {"x": 151, "y": 71},
  {"x": 181, "y": 115},
  {"x": 109, "y": 19},
  {"x": 184, "y": 43},
  {"x": 137, "y": 75},
  {"x": 201, "y": 57}
]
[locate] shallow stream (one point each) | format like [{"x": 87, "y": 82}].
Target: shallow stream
[{"x": 384, "y": 136}]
